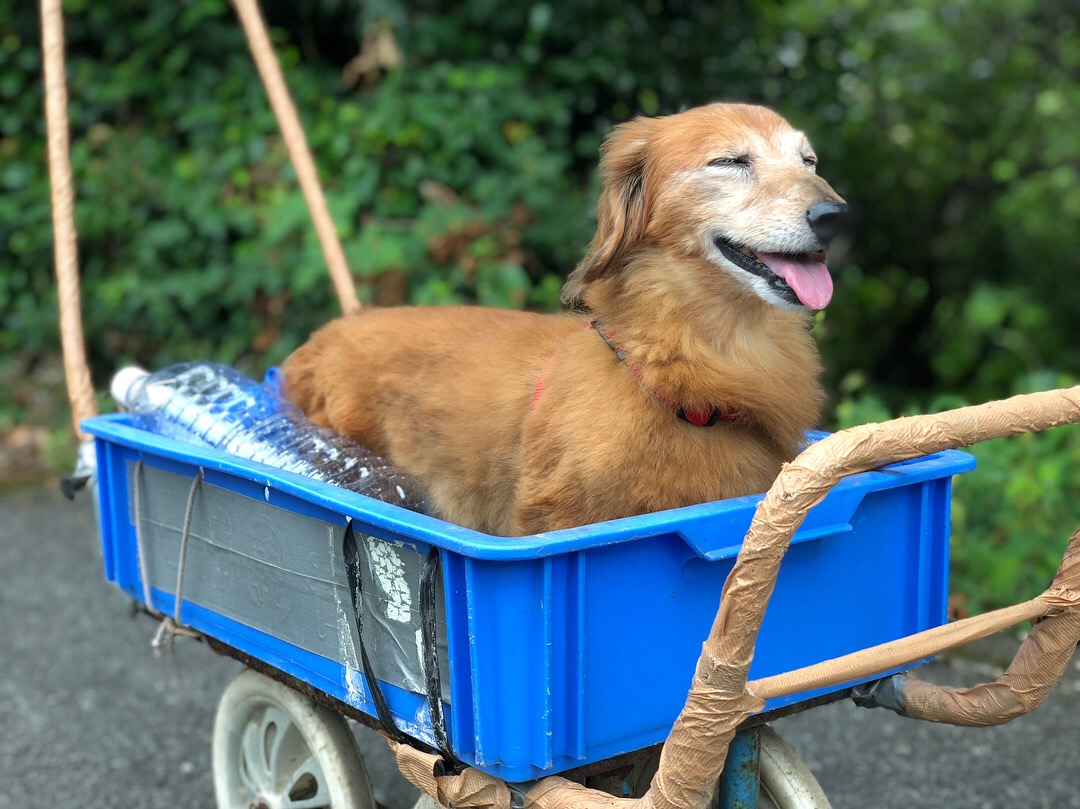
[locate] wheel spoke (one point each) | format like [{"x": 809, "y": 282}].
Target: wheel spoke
[
  {"x": 274, "y": 732},
  {"x": 253, "y": 770},
  {"x": 288, "y": 756},
  {"x": 305, "y": 788},
  {"x": 287, "y": 770},
  {"x": 273, "y": 748}
]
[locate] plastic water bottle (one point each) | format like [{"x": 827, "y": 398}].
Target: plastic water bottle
[{"x": 216, "y": 406}]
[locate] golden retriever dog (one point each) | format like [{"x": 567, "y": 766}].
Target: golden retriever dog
[{"x": 684, "y": 373}]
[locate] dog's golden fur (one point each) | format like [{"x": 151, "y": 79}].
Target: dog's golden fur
[{"x": 518, "y": 423}]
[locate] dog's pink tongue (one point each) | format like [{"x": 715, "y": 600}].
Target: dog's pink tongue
[{"x": 810, "y": 279}]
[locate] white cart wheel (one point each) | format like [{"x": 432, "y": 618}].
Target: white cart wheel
[
  {"x": 786, "y": 781},
  {"x": 276, "y": 749}
]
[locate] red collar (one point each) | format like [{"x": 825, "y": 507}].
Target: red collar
[{"x": 699, "y": 418}]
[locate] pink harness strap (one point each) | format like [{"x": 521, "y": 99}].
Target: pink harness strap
[{"x": 538, "y": 390}]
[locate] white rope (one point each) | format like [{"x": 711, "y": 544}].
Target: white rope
[
  {"x": 172, "y": 626},
  {"x": 184, "y": 537}
]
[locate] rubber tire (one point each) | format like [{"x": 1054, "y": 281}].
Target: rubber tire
[
  {"x": 248, "y": 715},
  {"x": 785, "y": 778}
]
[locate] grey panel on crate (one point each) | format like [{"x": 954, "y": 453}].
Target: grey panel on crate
[{"x": 283, "y": 574}]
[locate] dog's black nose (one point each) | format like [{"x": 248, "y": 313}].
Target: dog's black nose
[{"x": 828, "y": 220}]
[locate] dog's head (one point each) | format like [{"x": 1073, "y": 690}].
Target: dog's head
[{"x": 732, "y": 184}]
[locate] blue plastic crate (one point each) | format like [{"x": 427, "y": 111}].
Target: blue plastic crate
[{"x": 563, "y": 648}]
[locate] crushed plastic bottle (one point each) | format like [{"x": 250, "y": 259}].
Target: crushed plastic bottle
[{"x": 216, "y": 406}]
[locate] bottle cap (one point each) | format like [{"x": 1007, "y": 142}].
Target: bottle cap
[{"x": 124, "y": 381}]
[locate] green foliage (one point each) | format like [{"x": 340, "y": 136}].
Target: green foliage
[
  {"x": 194, "y": 239},
  {"x": 462, "y": 169},
  {"x": 956, "y": 153},
  {"x": 1011, "y": 517},
  {"x": 458, "y": 146}
]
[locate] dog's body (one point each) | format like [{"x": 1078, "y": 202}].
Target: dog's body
[{"x": 692, "y": 377}]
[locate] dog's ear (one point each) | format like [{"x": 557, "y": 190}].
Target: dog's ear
[{"x": 623, "y": 210}]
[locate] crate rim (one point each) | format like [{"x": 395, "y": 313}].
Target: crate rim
[{"x": 416, "y": 527}]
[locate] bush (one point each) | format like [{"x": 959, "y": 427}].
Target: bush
[
  {"x": 194, "y": 238},
  {"x": 458, "y": 146},
  {"x": 1012, "y": 517},
  {"x": 460, "y": 166}
]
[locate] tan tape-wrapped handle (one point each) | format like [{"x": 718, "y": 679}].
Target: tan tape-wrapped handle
[
  {"x": 1037, "y": 668},
  {"x": 719, "y": 699}
]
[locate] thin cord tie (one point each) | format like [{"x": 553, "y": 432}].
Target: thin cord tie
[{"x": 173, "y": 625}]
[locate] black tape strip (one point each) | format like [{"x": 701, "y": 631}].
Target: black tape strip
[
  {"x": 428, "y": 634},
  {"x": 356, "y": 593},
  {"x": 887, "y": 692},
  {"x": 72, "y": 485}
]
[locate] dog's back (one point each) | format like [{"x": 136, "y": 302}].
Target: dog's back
[{"x": 440, "y": 391}]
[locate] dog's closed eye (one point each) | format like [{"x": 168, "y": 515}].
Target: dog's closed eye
[{"x": 730, "y": 160}]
